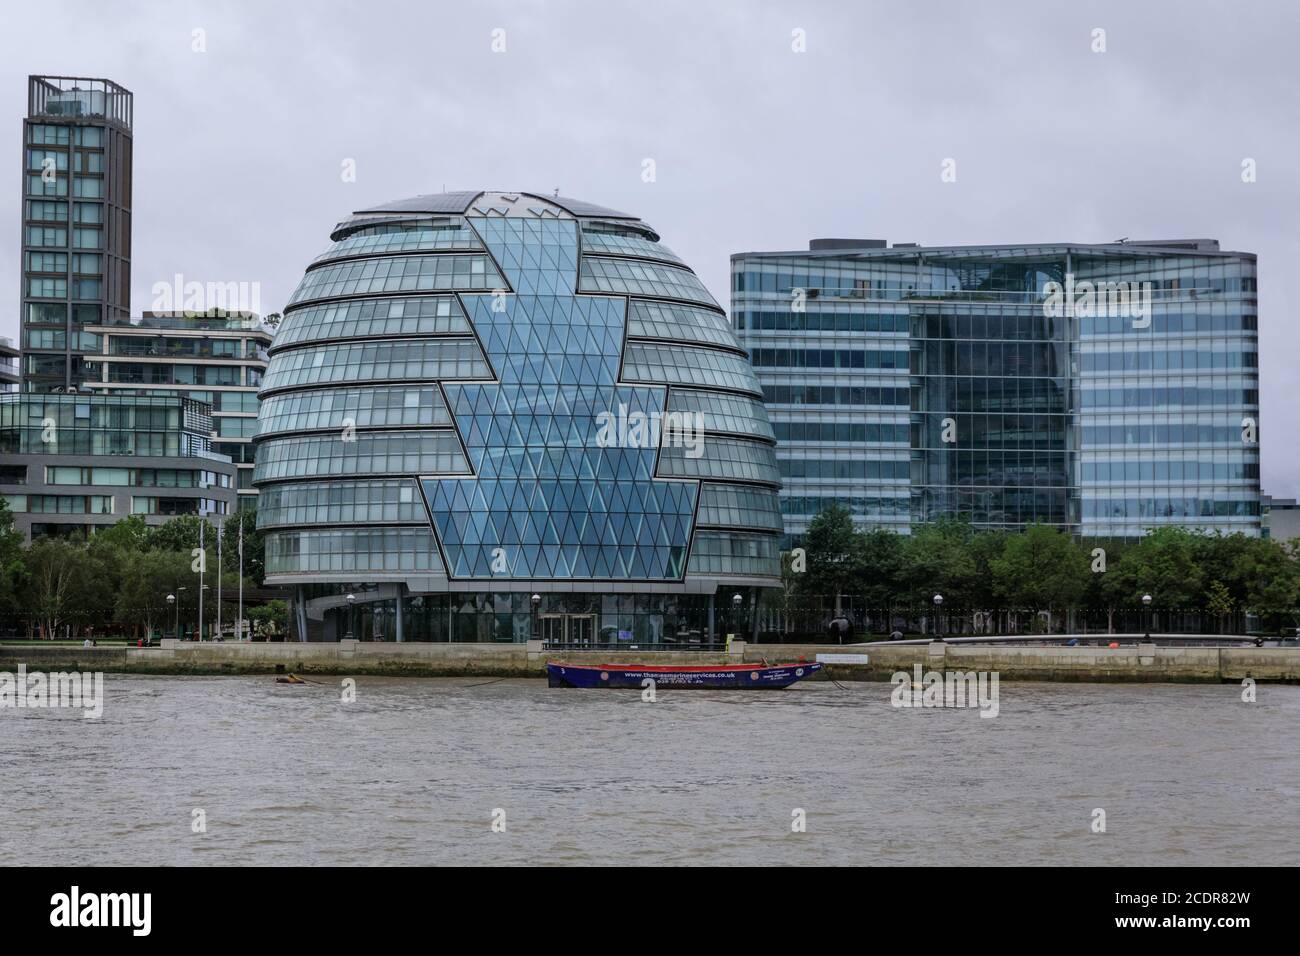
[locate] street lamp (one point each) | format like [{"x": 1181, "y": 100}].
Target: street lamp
[
  {"x": 535, "y": 601},
  {"x": 352, "y": 600},
  {"x": 205, "y": 587},
  {"x": 1146, "y": 608},
  {"x": 938, "y": 621},
  {"x": 177, "y": 600}
]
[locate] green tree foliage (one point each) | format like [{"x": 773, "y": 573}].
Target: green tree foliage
[
  {"x": 938, "y": 559},
  {"x": 64, "y": 585},
  {"x": 11, "y": 561},
  {"x": 269, "y": 618},
  {"x": 147, "y": 578},
  {"x": 1218, "y": 602},
  {"x": 130, "y": 535},
  {"x": 121, "y": 576},
  {"x": 1040, "y": 570},
  {"x": 834, "y": 551},
  {"x": 1164, "y": 563},
  {"x": 254, "y": 547}
]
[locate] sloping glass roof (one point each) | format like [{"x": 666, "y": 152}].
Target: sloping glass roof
[
  {"x": 579, "y": 207},
  {"x": 454, "y": 202}
]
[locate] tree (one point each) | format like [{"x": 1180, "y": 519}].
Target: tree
[
  {"x": 1163, "y": 564},
  {"x": 63, "y": 582},
  {"x": 1272, "y": 581},
  {"x": 1040, "y": 570},
  {"x": 1105, "y": 591},
  {"x": 11, "y": 561},
  {"x": 182, "y": 534},
  {"x": 985, "y": 548},
  {"x": 254, "y": 545},
  {"x": 1218, "y": 602},
  {"x": 131, "y": 534},
  {"x": 833, "y": 552},
  {"x": 269, "y": 618},
  {"x": 937, "y": 560},
  {"x": 880, "y": 571},
  {"x": 147, "y": 579}
]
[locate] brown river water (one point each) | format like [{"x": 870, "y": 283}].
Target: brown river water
[{"x": 413, "y": 770}]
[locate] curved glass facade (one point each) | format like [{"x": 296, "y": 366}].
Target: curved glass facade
[{"x": 559, "y": 420}]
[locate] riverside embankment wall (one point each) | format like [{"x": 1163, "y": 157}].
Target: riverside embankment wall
[{"x": 1130, "y": 663}]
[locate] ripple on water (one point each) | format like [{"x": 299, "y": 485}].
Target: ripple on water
[{"x": 412, "y": 772}]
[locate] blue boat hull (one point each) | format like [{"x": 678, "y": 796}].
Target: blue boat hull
[{"x": 720, "y": 677}]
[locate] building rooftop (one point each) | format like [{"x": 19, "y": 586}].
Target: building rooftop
[
  {"x": 79, "y": 97},
  {"x": 474, "y": 202},
  {"x": 878, "y": 249},
  {"x": 216, "y": 320}
]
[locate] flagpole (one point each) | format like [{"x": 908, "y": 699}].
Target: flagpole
[
  {"x": 220, "y": 528},
  {"x": 241, "y": 576},
  {"x": 203, "y": 563}
]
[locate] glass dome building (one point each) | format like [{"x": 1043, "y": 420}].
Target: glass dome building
[{"x": 491, "y": 415}]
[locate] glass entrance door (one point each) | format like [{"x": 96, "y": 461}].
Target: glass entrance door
[
  {"x": 582, "y": 628},
  {"x": 552, "y": 627},
  {"x": 568, "y": 628}
]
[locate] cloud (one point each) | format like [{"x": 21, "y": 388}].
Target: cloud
[{"x": 239, "y": 149}]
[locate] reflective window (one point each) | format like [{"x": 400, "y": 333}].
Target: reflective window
[
  {"x": 338, "y": 408},
  {"x": 641, "y": 278},
  {"x": 716, "y": 552},
  {"x": 421, "y": 360},
  {"x": 679, "y": 323},
  {"x": 364, "y": 318},
  {"x": 371, "y": 453},
  {"x": 682, "y": 365},
  {"x": 341, "y": 502},
  {"x": 721, "y": 458},
  {"x": 398, "y": 274},
  {"x": 371, "y": 549}
]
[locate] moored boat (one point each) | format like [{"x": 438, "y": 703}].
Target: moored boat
[{"x": 705, "y": 676}]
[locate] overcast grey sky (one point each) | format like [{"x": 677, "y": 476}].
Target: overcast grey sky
[{"x": 239, "y": 149}]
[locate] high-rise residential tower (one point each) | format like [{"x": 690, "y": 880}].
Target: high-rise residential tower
[{"x": 76, "y": 224}]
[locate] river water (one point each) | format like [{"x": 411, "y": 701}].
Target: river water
[{"x": 413, "y": 770}]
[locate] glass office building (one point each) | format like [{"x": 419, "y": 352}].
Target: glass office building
[
  {"x": 489, "y": 415},
  {"x": 1104, "y": 389},
  {"x": 76, "y": 231}
]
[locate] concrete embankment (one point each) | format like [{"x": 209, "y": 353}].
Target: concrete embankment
[{"x": 1129, "y": 663}]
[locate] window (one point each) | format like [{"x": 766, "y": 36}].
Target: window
[
  {"x": 91, "y": 212},
  {"x": 89, "y": 188}
]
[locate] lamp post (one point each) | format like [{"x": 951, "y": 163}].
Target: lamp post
[
  {"x": 736, "y": 602},
  {"x": 938, "y": 620},
  {"x": 205, "y": 587},
  {"x": 352, "y": 600},
  {"x": 177, "y": 600},
  {"x": 1146, "y": 613},
  {"x": 535, "y": 602}
]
